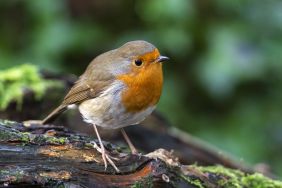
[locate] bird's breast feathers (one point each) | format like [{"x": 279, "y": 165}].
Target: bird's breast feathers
[
  {"x": 108, "y": 110},
  {"x": 143, "y": 90}
]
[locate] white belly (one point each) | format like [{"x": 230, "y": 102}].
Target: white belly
[{"x": 108, "y": 112}]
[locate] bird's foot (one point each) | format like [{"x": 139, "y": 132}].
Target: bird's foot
[
  {"x": 106, "y": 157},
  {"x": 134, "y": 151}
]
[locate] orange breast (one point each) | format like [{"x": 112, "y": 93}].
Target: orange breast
[{"x": 143, "y": 88}]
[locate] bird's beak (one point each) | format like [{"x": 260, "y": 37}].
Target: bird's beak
[{"x": 162, "y": 59}]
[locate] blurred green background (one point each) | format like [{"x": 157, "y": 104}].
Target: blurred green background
[{"x": 222, "y": 84}]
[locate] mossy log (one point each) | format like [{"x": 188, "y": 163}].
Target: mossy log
[{"x": 51, "y": 156}]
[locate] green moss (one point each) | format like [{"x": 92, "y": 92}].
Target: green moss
[
  {"x": 24, "y": 137},
  {"x": 3, "y": 136},
  {"x": 232, "y": 179},
  {"x": 191, "y": 181},
  {"x": 225, "y": 177},
  {"x": 146, "y": 182},
  {"x": 259, "y": 181},
  {"x": 15, "y": 135},
  {"x": 15, "y": 80},
  {"x": 7, "y": 122},
  {"x": 55, "y": 140},
  {"x": 88, "y": 145}
]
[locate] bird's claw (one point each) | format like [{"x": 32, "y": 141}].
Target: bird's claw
[{"x": 106, "y": 158}]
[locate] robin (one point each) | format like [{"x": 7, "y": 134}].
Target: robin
[{"x": 119, "y": 88}]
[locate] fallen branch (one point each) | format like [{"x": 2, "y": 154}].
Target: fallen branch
[{"x": 53, "y": 156}]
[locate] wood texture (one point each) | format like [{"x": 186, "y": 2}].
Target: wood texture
[{"x": 51, "y": 156}]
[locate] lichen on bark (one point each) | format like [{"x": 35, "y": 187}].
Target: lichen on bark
[{"x": 32, "y": 158}]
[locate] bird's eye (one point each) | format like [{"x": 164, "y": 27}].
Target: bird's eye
[{"x": 138, "y": 62}]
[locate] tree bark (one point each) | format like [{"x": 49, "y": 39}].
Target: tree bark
[{"x": 51, "y": 156}]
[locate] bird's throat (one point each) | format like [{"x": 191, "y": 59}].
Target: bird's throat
[{"x": 143, "y": 90}]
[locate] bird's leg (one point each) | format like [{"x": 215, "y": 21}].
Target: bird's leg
[
  {"x": 102, "y": 150},
  {"x": 134, "y": 151}
]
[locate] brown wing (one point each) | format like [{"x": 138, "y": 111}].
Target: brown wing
[
  {"x": 94, "y": 80},
  {"x": 85, "y": 89}
]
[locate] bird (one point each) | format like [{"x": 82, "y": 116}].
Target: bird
[{"x": 119, "y": 88}]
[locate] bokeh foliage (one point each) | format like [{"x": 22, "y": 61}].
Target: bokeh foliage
[
  {"x": 18, "y": 80},
  {"x": 224, "y": 80}
]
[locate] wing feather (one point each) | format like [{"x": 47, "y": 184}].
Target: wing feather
[
  {"x": 91, "y": 84},
  {"x": 85, "y": 89}
]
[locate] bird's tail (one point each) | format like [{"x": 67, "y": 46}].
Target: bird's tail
[{"x": 53, "y": 115}]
